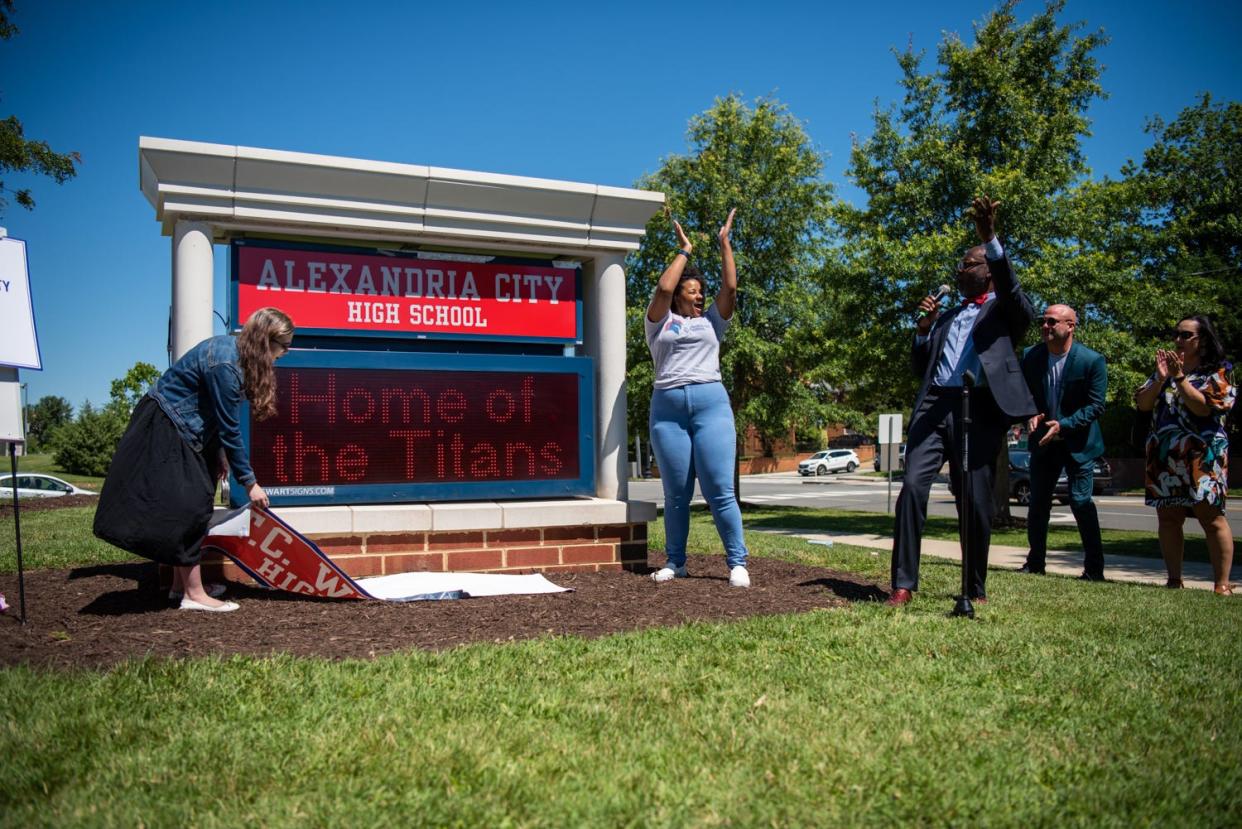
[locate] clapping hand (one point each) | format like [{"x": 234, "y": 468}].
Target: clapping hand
[
  {"x": 726, "y": 229},
  {"x": 1168, "y": 364},
  {"x": 683, "y": 241}
]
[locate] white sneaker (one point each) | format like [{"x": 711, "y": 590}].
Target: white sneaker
[
  {"x": 738, "y": 577},
  {"x": 668, "y": 573}
]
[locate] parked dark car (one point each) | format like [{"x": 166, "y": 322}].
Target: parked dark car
[{"x": 1020, "y": 478}]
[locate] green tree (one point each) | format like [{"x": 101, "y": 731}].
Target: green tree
[
  {"x": 1169, "y": 234},
  {"x": 86, "y": 446},
  {"x": 21, "y": 155},
  {"x": 128, "y": 391},
  {"x": 44, "y": 418},
  {"x": 758, "y": 159},
  {"x": 1003, "y": 116}
]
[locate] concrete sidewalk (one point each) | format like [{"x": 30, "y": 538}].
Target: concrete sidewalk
[{"x": 1195, "y": 574}]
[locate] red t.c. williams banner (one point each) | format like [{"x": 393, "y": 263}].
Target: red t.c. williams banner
[{"x": 384, "y": 293}]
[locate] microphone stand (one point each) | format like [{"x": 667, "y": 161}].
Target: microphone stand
[{"x": 963, "y": 607}]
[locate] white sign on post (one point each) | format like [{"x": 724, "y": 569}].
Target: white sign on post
[
  {"x": 18, "y": 344},
  {"x": 10, "y": 409},
  {"x": 890, "y": 428}
]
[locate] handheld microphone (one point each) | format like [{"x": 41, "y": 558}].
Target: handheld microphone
[{"x": 941, "y": 293}]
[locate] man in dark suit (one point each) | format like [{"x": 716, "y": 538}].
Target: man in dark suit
[
  {"x": 1069, "y": 382},
  {"x": 974, "y": 340}
]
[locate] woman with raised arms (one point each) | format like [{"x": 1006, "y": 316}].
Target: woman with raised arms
[{"x": 692, "y": 430}]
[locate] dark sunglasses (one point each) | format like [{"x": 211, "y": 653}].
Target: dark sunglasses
[
  {"x": 1184, "y": 335},
  {"x": 1050, "y": 321}
]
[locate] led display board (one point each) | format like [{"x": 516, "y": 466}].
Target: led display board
[
  {"x": 384, "y": 293},
  {"x": 380, "y": 427}
]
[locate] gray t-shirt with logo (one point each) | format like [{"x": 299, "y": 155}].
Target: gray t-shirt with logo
[{"x": 686, "y": 350}]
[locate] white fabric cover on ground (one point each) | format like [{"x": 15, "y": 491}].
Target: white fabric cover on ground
[{"x": 401, "y": 585}]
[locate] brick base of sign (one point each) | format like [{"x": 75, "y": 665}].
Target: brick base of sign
[{"x": 536, "y": 549}]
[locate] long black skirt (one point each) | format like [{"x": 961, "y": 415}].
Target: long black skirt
[{"x": 157, "y": 499}]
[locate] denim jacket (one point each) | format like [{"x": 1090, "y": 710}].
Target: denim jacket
[{"x": 202, "y": 394}]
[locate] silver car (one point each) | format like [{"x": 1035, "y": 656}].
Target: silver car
[{"x": 39, "y": 486}]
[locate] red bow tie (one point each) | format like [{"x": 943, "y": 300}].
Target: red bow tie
[{"x": 977, "y": 300}]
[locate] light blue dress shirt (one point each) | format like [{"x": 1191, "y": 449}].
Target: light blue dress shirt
[{"x": 959, "y": 355}]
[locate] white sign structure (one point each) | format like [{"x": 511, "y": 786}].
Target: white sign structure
[
  {"x": 890, "y": 428},
  {"x": 19, "y": 346},
  {"x": 10, "y": 409}
]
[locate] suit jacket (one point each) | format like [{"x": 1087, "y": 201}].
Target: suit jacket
[
  {"x": 1000, "y": 324},
  {"x": 1084, "y": 385}
]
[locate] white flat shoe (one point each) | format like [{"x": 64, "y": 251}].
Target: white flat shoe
[
  {"x": 738, "y": 577},
  {"x": 227, "y": 607},
  {"x": 215, "y": 590}
]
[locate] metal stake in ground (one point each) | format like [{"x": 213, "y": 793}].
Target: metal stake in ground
[
  {"x": 17, "y": 528},
  {"x": 963, "y": 607}
]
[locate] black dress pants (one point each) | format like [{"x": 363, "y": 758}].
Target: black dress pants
[
  {"x": 1046, "y": 465},
  {"x": 934, "y": 437}
]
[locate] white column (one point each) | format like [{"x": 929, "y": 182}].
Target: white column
[
  {"x": 192, "y": 300},
  {"x": 604, "y": 328}
]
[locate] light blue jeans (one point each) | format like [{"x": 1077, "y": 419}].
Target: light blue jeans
[{"x": 692, "y": 431}]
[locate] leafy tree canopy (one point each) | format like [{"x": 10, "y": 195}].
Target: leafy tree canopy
[
  {"x": 21, "y": 155},
  {"x": 758, "y": 158},
  {"x": 44, "y": 418},
  {"x": 128, "y": 390},
  {"x": 1003, "y": 116}
]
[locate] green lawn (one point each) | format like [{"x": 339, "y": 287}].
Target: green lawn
[{"x": 1063, "y": 704}]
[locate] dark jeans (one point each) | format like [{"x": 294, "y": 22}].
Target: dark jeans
[
  {"x": 1046, "y": 465},
  {"x": 935, "y": 435}
]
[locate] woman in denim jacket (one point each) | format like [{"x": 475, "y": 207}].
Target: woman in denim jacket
[{"x": 157, "y": 499}]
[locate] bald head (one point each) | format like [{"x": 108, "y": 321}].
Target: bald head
[
  {"x": 1062, "y": 312},
  {"x": 1057, "y": 327}
]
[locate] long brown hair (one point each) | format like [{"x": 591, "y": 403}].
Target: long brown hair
[{"x": 254, "y": 348}]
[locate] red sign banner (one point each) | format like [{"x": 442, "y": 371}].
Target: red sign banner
[
  {"x": 278, "y": 557},
  {"x": 388, "y": 293}
]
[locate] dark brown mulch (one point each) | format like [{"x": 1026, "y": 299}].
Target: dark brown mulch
[
  {"x": 39, "y": 504},
  {"x": 102, "y": 615}
]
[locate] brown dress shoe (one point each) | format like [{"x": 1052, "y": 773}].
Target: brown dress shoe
[{"x": 901, "y": 596}]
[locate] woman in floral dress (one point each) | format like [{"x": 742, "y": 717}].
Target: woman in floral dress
[{"x": 1192, "y": 394}]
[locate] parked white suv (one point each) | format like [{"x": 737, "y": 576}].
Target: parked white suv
[{"x": 830, "y": 460}]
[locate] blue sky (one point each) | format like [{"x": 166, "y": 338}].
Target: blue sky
[{"x": 578, "y": 91}]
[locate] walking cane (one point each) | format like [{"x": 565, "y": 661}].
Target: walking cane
[{"x": 963, "y": 607}]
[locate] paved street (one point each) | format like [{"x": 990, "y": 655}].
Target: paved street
[{"x": 870, "y": 494}]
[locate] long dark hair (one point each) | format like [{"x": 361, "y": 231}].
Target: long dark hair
[
  {"x": 254, "y": 351},
  {"x": 1211, "y": 351}
]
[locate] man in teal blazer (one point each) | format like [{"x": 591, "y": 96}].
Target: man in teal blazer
[{"x": 1069, "y": 382}]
